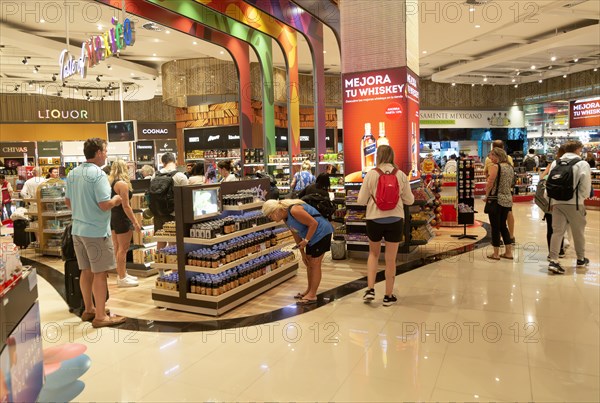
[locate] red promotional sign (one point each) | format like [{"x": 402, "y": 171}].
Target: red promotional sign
[
  {"x": 584, "y": 113},
  {"x": 380, "y": 107}
]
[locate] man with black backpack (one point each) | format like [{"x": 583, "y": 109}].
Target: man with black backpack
[
  {"x": 531, "y": 161},
  {"x": 568, "y": 185},
  {"x": 161, "y": 198}
]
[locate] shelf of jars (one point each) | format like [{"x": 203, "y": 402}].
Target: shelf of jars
[
  {"x": 224, "y": 259},
  {"x": 52, "y": 214}
]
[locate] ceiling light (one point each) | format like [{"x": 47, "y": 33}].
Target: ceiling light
[
  {"x": 167, "y": 32},
  {"x": 485, "y": 79},
  {"x": 53, "y": 76},
  {"x": 222, "y": 52},
  {"x": 564, "y": 76},
  {"x": 540, "y": 81},
  {"x": 42, "y": 21},
  {"x": 533, "y": 67},
  {"x": 424, "y": 52},
  {"x": 596, "y": 69},
  {"x": 131, "y": 74},
  {"x": 549, "y": 67},
  {"x": 471, "y": 9},
  {"x": 324, "y": 51},
  {"x": 454, "y": 84},
  {"x": 553, "y": 58},
  {"x": 472, "y": 85},
  {"x": 36, "y": 69},
  {"x": 514, "y": 79},
  {"x": 25, "y": 60},
  {"x": 100, "y": 27},
  {"x": 153, "y": 54},
  {"x": 30, "y": 84},
  {"x": 194, "y": 43},
  {"x": 518, "y": 72},
  {"x": 575, "y": 60},
  {"x": 477, "y": 26},
  {"x": 516, "y": 85}
]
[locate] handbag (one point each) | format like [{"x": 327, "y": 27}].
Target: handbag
[{"x": 491, "y": 205}]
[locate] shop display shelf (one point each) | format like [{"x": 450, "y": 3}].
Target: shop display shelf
[
  {"x": 330, "y": 162},
  {"x": 56, "y": 213},
  {"x": 354, "y": 204},
  {"x": 262, "y": 279},
  {"x": 276, "y": 164},
  {"x": 31, "y": 229},
  {"x": 243, "y": 207},
  {"x": 254, "y": 164},
  {"x": 148, "y": 227},
  {"x": 162, "y": 291},
  {"x": 220, "y": 269},
  {"x": 143, "y": 245},
  {"x": 49, "y": 251},
  {"x": 30, "y": 200},
  {"x": 222, "y": 238},
  {"x": 419, "y": 223},
  {"x": 357, "y": 223},
  {"x": 164, "y": 238},
  {"x": 52, "y": 199},
  {"x": 165, "y": 266},
  {"x": 53, "y": 231},
  {"x": 32, "y": 213}
]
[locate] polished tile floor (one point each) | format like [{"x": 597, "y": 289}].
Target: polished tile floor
[{"x": 464, "y": 329}]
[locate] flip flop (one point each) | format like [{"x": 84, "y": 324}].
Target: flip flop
[
  {"x": 503, "y": 256},
  {"x": 299, "y": 296},
  {"x": 306, "y": 301},
  {"x": 493, "y": 258}
]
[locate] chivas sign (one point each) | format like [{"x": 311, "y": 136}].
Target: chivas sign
[{"x": 97, "y": 48}]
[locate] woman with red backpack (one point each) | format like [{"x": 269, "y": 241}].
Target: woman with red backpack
[
  {"x": 385, "y": 191},
  {"x": 6, "y": 197}
]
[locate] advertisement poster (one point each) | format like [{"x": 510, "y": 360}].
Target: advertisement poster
[
  {"x": 21, "y": 361},
  {"x": 380, "y": 107},
  {"x": 584, "y": 113}
]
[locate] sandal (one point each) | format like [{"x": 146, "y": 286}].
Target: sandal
[
  {"x": 492, "y": 257},
  {"x": 299, "y": 296},
  {"x": 88, "y": 317},
  {"x": 306, "y": 301},
  {"x": 503, "y": 256}
]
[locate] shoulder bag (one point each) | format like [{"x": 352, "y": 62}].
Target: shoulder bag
[{"x": 491, "y": 204}]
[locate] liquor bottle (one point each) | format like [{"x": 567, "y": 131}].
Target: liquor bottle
[
  {"x": 382, "y": 139},
  {"x": 368, "y": 147}
]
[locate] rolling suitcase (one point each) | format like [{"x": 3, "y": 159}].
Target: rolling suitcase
[{"x": 72, "y": 289}]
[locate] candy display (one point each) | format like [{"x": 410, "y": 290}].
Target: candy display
[{"x": 168, "y": 229}]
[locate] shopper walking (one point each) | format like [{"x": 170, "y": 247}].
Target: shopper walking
[
  {"x": 569, "y": 212},
  {"x": 548, "y": 215},
  {"x": 226, "y": 171},
  {"x": 6, "y": 197},
  {"x": 303, "y": 178},
  {"x": 498, "y": 194},
  {"x": 312, "y": 234},
  {"x": 531, "y": 161},
  {"x": 384, "y": 224},
  {"x": 122, "y": 221},
  {"x": 89, "y": 198},
  {"x": 488, "y": 163}
]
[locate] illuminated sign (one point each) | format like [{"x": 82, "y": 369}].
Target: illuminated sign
[
  {"x": 60, "y": 114},
  {"x": 584, "y": 113},
  {"x": 97, "y": 48}
]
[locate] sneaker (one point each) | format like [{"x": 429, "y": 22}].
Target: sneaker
[
  {"x": 561, "y": 254},
  {"x": 389, "y": 300},
  {"x": 126, "y": 282},
  {"x": 583, "y": 262},
  {"x": 369, "y": 295},
  {"x": 555, "y": 268},
  {"x": 131, "y": 277}
]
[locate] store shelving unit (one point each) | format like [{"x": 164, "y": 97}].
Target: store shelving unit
[
  {"x": 143, "y": 246},
  {"x": 182, "y": 298},
  {"x": 52, "y": 215},
  {"x": 466, "y": 196}
]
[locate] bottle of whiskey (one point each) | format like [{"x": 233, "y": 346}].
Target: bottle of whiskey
[
  {"x": 382, "y": 139},
  {"x": 368, "y": 147}
]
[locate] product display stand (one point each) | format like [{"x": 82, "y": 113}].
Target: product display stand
[
  {"x": 143, "y": 247},
  {"x": 465, "y": 186},
  {"x": 178, "y": 295},
  {"x": 53, "y": 216}
]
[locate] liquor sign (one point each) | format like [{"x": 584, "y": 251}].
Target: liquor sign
[
  {"x": 584, "y": 113},
  {"x": 97, "y": 48},
  {"x": 17, "y": 149},
  {"x": 62, "y": 114},
  {"x": 156, "y": 131},
  {"x": 212, "y": 138},
  {"x": 375, "y": 112},
  {"x": 49, "y": 149},
  {"x": 166, "y": 146},
  {"x": 144, "y": 151}
]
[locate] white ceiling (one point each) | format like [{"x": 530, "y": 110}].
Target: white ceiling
[{"x": 512, "y": 36}]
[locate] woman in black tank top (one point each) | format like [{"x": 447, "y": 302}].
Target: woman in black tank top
[{"x": 122, "y": 221}]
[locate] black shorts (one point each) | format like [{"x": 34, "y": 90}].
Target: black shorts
[
  {"x": 391, "y": 232},
  {"x": 121, "y": 226},
  {"x": 320, "y": 247}
]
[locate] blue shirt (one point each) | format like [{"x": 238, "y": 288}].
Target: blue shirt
[
  {"x": 87, "y": 185},
  {"x": 303, "y": 179},
  {"x": 323, "y": 229}
]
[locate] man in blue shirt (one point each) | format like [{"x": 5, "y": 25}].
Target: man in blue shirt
[{"x": 88, "y": 197}]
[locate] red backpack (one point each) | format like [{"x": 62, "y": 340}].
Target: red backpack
[{"x": 388, "y": 190}]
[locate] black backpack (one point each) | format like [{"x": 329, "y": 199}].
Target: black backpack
[
  {"x": 160, "y": 194},
  {"x": 559, "y": 184},
  {"x": 66, "y": 248},
  {"x": 324, "y": 206},
  {"x": 529, "y": 163}
]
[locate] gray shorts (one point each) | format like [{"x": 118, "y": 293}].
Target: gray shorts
[{"x": 97, "y": 254}]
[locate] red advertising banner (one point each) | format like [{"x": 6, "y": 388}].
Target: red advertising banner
[
  {"x": 584, "y": 113},
  {"x": 380, "y": 107}
]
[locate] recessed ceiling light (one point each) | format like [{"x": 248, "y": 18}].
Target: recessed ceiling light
[
  {"x": 516, "y": 85},
  {"x": 596, "y": 69},
  {"x": 514, "y": 79},
  {"x": 222, "y": 52},
  {"x": 132, "y": 74},
  {"x": 540, "y": 81},
  {"x": 167, "y": 32},
  {"x": 42, "y": 21},
  {"x": 575, "y": 60},
  {"x": 553, "y": 58},
  {"x": 194, "y": 43},
  {"x": 477, "y": 26},
  {"x": 472, "y": 85},
  {"x": 100, "y": 27},
  {"x": 485, "y": 79},
  {"x": 424, "y": 52},
  {"x": 153, "y": 54},
  {"x": 454, "y": 84},
  {"x": 472, "y": 9},
  {"x": 564, "y": 76},
  {"x": 533, "y": 67}
]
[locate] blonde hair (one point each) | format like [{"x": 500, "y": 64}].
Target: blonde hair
[
  {"x": 385, "y": 155},
  {"x": 500, "y": 154},
  {"x": 306, "y": 165},
  {"x": 119, "y": 172},
  {"x": 271, "y": 206},
  {"x": 147, "y": 170}
]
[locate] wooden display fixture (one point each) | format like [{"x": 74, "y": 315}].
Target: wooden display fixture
[
  {"x": 52, "y": 216},
  {"x": 182, "y": 299}
]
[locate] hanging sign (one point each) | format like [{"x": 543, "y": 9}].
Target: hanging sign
[
  {"x": 49, "y": 149},
  {"x": 166, "y": 146},
  {"x": 156, "y": 131},
  {"x": 97, "y": 48}
]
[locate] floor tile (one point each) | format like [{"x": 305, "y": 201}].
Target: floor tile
[
  {"x": 565, "y": 356},
  {"x": 360, "y": 388},
  {"x": 559, "y": 386},
  {"x": 174, "y": 391}
]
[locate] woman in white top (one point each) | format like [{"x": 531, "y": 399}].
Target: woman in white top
[
  {"x": 386, "y": 224},
  {"x": 225, "y": 169},
  {"x": 197, "y": 177}
]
